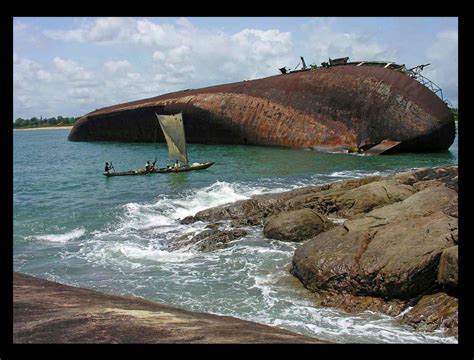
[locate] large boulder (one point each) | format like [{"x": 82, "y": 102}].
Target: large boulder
[
  {"x": 297, "y": 225},
  {"x": 392, "y": 252},
  {"x": 448, "y": 267},
  {"x": 433, "y": 312}
]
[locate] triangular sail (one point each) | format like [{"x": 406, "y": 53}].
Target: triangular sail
[{"x": 173, "y": 129}]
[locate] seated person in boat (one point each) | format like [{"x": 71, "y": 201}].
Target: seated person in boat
[
  {"x": 176, "y": 165},
  {"x": 107, "y": 168}
]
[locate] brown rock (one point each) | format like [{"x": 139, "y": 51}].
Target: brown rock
[
  {"x": 433, "y": 312},
  {"x": 392, "y": 252},
  {"x": 370, "y": 196},
  {"x": 296, "y": 225},
  {"x": 422, "y": 185},
  {"x": 354, "y": 304},
  {"x": 48, "y": 312},
  {"x": 448, "y": 267},
  {"x": 341, "y": 198},
  {"x": 208, "y": 240}
]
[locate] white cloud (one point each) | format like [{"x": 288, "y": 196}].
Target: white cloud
[
  {"x": 101, "y": 30},
  {"x": 71, "y": 71},
  {"x": 180, "y": 56},
  {"x": 115, "y": 30},
  {"x": 443, "y": 57},
  {"x": 117, "y": 65},
  {"x": 158, "y": 55},
  {"x": 325, "y": 42}
]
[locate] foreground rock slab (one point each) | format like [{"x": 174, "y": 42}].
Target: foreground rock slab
[{"x": 48, "y": 312}]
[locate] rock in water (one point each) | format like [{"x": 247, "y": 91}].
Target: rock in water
[
  {"x": 433, "y": 312},
  {"x": 297, "y": 225},
  {"x": 392, "y": 252}
]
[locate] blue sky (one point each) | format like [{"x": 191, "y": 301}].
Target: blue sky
[{"x": 71, "y": 66}]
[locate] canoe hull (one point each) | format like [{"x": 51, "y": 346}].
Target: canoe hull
[{"x": 161, "y": 170}]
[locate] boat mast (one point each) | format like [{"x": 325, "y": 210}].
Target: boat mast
[{"x": 184, "y": 132}]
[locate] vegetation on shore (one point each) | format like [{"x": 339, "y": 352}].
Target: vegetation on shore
[{"x": 34, "y": 122}]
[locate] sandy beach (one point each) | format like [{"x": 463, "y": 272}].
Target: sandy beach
[{"x": 45, "y": 128}]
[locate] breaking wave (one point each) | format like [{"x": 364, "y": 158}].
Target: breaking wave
[{"x": 61, "y": 238}]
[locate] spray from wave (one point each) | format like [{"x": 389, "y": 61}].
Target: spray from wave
[{"x": 61, "y": 238}]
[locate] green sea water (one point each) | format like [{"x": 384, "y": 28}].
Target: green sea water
[{"x": 73, "y": 225}]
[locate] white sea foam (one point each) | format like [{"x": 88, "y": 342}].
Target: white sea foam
[
  {"x": 163, "y": 215},
  {"x": 135, "y": 252},
  {"x": 61, "y": 238},
  {"x": 354, "y": 174}
]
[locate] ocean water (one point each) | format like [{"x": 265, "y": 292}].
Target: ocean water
[{"x": 75, "y": 226}]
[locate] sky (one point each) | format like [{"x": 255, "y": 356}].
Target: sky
[{"x": 67, "y": 66}]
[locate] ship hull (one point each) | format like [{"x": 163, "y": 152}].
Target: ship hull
[{"x": 328, "y": 109}]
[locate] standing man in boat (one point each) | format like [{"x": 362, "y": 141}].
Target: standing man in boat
[{"x": 149, "y": 167}]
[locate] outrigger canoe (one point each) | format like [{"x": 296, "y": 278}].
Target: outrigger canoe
[{"x": 194, "y": 166}]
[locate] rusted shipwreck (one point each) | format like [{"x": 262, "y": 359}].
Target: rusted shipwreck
[{"x": 338, "y": 106}]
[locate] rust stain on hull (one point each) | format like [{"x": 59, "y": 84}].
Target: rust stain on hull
[{"x": 340, "y": 107}]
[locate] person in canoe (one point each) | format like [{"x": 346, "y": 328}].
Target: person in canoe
[
  {"x": 108, "y": 168},
  {"x": 149, "y": 167}
]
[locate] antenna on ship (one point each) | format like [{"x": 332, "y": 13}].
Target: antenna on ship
[{"x": 303, "y": 63}]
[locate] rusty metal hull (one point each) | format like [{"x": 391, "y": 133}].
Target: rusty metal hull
[{"x": 336, "y": 108}]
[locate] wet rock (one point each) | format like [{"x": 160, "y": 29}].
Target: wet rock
[
  {"x": 392, "y": 252},
  {"x": 369, "y": 196},
  {"x": 448, "y": 175},
  {"x": 433, "y": 312},
  {"x": 448, "y": 267},
  {"x": 48, "y": 312},
  {"x": 296, "y": 225},
  {"x": 355, "y": 304},
  {"x": 187, "y": 220},
  {"x": 342, "y": 198},
  {"x": 208, "y": 240}
]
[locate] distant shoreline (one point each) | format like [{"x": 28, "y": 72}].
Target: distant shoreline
[{"x": 44, "y": 128}]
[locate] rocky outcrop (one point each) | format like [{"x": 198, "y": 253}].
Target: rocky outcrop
[
  {"x": 434, "y": 312},
  {"x": 378, "y": 255},
  {"x": 394, "y": 253},
  {"x": 340, "y": 199},
  {"x": 48, "y": 312},
  {"x": 397, "y": 242},
  {"x": 255, "y": 210},
  {"x": 297, "y": 225}
]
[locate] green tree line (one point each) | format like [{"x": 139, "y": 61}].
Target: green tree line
[{"x": 52, "y": 121}]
